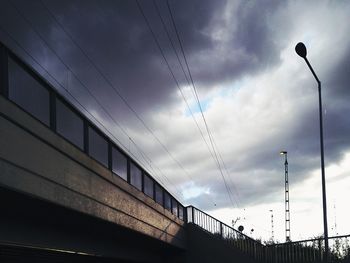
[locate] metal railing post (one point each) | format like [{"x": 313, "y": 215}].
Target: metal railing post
[
  {"x": 193, "y": 221},
  {"x": 320, "y": 248}
]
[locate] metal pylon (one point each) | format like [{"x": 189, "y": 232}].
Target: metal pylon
[{"x": 287, "y": 208}]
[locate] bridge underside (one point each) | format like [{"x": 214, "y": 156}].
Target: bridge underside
[{"x": 32, "y": 223}]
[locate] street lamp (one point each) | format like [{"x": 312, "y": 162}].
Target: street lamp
[
  {"x": 286, "y": 195},
  {"x": 301, "y": 51}
]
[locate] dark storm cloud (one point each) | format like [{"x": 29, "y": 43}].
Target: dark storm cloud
[
  {"x": 247, "y": 46},
  {"x": 193, "y": 18},
  {"x": 337, "y": 84},
  {"x": 337, "y": 107},
  {"x": 255, "y": 30},
  {"x": 125, "y": 48},
  {"x": 116, "y": 37},
  {"x": 118, "y": 41}
]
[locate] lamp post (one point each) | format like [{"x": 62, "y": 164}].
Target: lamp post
[
  {"x": 286, "y": 195},
  {"x": 301, "y": 51}
]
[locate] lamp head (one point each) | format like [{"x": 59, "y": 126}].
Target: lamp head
[
  {"x": 301, "y": 49},
  {"x": 283, "y": 152}
]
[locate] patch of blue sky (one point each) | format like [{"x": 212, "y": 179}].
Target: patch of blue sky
[
  {"x": 190, "y": 191},
  {"x": 223, "y": 92},
  {"x": 195, "y": 107}
]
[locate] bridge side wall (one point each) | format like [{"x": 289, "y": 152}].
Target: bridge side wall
[{"x": 36, "y": 161}]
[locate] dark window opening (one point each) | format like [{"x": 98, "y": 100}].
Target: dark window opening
[
  {"x": 28, "y": 93},
  {"x": 181, "y": 212},
  {"x": 135, "y": 176},
  {"x": 174, "y": 207},
  {"x": 98, "y": 147},
  {"x": 167, "y": 201},
  {"x": 159, "y": 194},
  {"x": 119, "y": 164},
  {"x": 148, "y": 186},
  {"x": 69, "y": 124}
]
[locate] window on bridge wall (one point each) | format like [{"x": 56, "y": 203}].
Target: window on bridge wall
[
  {"x": 167, "y": 201},
  {"x": 181, "y": 212},
  {"x": 69, "y": 124},
  {"x": 148, "y": 185},
  {"x": 174, "y": 207},
  {"x": 158, "y": 191},
  {"x": 119, "y": 164},
  {"x": 26, "y": 91},
  {"x": 135, "y": 176},
  {"x": 98, "y": 146}
]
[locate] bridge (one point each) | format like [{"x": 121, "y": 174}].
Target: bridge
[
  {"x": 69, "y": 188},
  {"x": 69, "y": 193}
]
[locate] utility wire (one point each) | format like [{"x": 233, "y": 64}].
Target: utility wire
[
  {"x": 199, "y": 104},
  {"x": 235, "y": 192},
  {"x": 144, "y": 156},
  {"x": 188, "y": 81},
  {"x": 166, "y": 61},
  {"x": 115, "y": 90},
  {"x": 76, "y": 77},
  {"x": 183, "y": 70},
  {"x": 178, "y": 86}
]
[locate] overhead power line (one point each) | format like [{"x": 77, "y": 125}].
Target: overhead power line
[
  {"x": 112, "y": 86},
  {"x": 166, "y": 61},
  {"x": 211, "y": 139},
  {"x": 183, "y": 70},
  {"x": 99, "y": 70},
  {"x": 189, "y": 84},
  {"x": 83, "y": 85}
]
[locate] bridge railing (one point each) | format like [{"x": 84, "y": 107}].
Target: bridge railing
[
  {"x": 312, "y": 250},
  {"x": 223, "y": 231}
]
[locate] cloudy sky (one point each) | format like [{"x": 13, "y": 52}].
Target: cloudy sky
[{"x": 257, "y": 96}]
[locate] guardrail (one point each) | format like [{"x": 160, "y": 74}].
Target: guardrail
[
  {"x": 311, "y": 250},
  {"x": 239, "y": 240}
]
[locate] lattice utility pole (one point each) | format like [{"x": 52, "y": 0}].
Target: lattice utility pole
[
  {"x": 286, "y": 196},
  {"x": 272, "y": 232}
]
